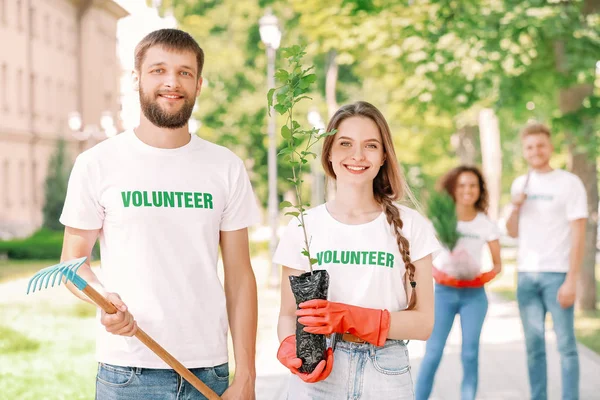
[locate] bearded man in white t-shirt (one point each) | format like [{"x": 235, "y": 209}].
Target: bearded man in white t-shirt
[
  {"x": 162, "y": 202},
  {"x": 548, "y": 218}
]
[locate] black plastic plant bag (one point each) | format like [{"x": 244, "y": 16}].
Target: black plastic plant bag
[{"x": 310, "y": 348}]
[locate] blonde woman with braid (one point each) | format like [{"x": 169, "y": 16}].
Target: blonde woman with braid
[{"x": 379, "y": 258}]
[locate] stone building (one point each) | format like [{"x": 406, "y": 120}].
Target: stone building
[{"x": 58, "y": 67}]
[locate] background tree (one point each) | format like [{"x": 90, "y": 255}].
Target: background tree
[
  {"x": 57, "y": 179},
  {"x": 431, "y": 66}
]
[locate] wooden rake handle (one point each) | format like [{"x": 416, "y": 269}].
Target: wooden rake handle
[{"x": 109, "y": 308}]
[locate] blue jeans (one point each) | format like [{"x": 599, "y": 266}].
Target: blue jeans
[
  {"x": 133, "y": 383},
  {"x": 536, "y": 295},
  {"x": 471, "y": 304},
  {"x": 361, "y": 371}
]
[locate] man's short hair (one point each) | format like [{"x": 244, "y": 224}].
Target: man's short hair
[
  {"x": 535, "y": 128},
  {"x": 170, "y": 39}
]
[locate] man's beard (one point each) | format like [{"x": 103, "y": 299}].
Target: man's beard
[{"x": 163, "y": 119}]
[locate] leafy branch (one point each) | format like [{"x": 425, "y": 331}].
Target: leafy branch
[
  {"x": 442, "y": 213},
  {"x": 294, "y": 83}
]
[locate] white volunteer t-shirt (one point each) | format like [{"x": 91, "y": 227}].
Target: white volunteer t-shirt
[
  {"x": 474, "y": 236},
  {"x": 364, "y": 263},
  {"x": 554, "y": 199},
  {"x": 160, "y": 212}
]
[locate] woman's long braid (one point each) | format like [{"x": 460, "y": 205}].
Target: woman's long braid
[{"x": 393, "y": 217}]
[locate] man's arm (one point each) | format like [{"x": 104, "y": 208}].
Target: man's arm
[
  {"x": 577, "y": 247},
  {"x": 242, "y": 309},
  {"x": 512, "y": 224},
  {"x": 567, "y": 293},
  {"x": 79, "y": 243}
]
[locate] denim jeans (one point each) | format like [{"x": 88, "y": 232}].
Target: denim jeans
[
  {"x": 471, "y": 304},
  {"x": 361, "y": 371},
  {"x": 132, "y": 383},
  {"x": 536, "y": 295}
]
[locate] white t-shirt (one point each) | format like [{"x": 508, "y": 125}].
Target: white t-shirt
[
  {"x": 554, "y": 199},
  {"x": 474, "y": 235},
  {"x": 160, "y": 212},
  {"x": 363, "y": 261}
]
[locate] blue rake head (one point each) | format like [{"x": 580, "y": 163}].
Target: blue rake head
[{"x": 66, "y": 269}]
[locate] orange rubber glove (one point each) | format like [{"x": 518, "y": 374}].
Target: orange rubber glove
[
  {"x": 326, "y": 317},
  {"x": 287, "y": 356},
  {"x": 444, "y": 279}
]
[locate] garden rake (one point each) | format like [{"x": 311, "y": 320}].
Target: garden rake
[{"x": 68, "y": 270}]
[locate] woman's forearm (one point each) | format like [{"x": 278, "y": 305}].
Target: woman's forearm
[{"x": 410, "y": 325}]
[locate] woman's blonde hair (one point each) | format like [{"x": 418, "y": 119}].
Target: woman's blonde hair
[{"x": 389, "y": 185}]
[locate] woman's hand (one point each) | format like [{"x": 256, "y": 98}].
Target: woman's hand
[{"x": 287, "y": 356}]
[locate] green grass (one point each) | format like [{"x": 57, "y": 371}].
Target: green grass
[
  {"x": 12, "y": 341},
  {"x": 587, "y": 324},
  {"x": 46, "y": 350},
  {"x": 587, "y": 328}
]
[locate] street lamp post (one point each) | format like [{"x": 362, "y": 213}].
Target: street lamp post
[
  {"x": 270, "y": 34},
  {"x": 318, "y": 178}
]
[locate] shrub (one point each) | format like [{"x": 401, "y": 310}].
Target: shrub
[{"x": 42, "y": 245}]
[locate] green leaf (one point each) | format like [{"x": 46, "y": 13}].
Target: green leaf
[
  {"x": 292, "y": 213},
  {"x": 285, "y": 132},
  {"x": 313, "y": 261},
  {"x": 307, "y": 80},
  {"x": 305, "y": 253},
  {"x": 285, "y": 204},
  {"x": 280, "y": 108},
  {"x": 441, "y": 210},
  {"x": 301, "y": 98},
  {"x": 281, "y": 75},
  {"x": 285, "y": 150}
]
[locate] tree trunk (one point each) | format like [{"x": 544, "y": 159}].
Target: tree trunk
[
  {"x": 465, "y": 144},
  {"x": 331, "y": 83},
  {"x": 491, "y": 159},
  {"x": 332, "y": 105},
  {"x": 583, "y": 164}
]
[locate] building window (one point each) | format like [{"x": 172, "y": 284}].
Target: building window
[
  {"x": 33, "y": 22},
  {"x": 6, "y": 184},
  {"x": 59, "y": 35},
  {"x": 34, "y": 174},
  {"x": 20, "y": 94},
  {"x": 72, "y": 40},
  {"x": 3, "y": 11},
  {"x": 60, "y": 106},
  {"x": 32, "y": 91},
  {"x": 23, "y": 179},
  {"x": 4, "y": 87},
  {"x": 49, "y": 106},
  {"x": 19, "y": 15},
  {"x": 47, "y": 28}
]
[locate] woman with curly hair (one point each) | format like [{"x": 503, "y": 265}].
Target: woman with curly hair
[{"x": 459, "y": 280}]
